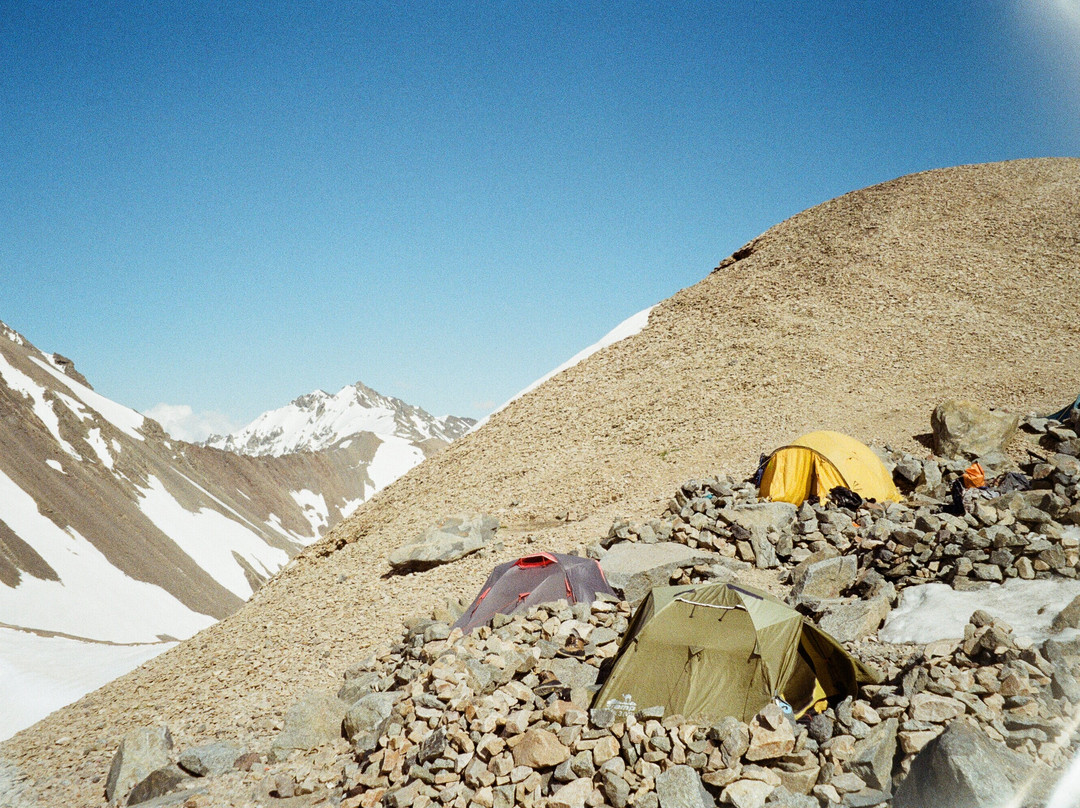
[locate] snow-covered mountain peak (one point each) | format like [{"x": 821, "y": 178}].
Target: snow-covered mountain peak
[{"x": 318, "y": 420}]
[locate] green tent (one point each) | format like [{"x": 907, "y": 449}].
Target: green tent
[{"x": 714, "y": 650}]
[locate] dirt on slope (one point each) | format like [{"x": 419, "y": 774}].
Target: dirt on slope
[{"x": 859, "y": 315}]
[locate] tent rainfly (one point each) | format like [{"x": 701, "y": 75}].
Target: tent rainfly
[
  {"x": 818, "y": 462},
  {"x": 715, "y": 650},
  {"x": 534, "y": 579}
]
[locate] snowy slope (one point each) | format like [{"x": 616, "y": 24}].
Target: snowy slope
[
  {"x": 116, "y": 540},
  {"x": 319, "y": 420}
]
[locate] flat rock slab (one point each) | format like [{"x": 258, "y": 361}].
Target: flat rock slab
[
  {"x": 210, "y": 760},
  {"x": 453, "y": 538},
  {"x": 635, "y": 568},
  {"x": 761, "y": 516}
]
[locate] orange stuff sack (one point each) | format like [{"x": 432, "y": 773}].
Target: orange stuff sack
[{"x": 974, "y": 476}]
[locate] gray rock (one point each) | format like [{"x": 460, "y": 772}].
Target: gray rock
[
  {"x": 159, "y": 782},
  {"x": 636, "y": 568},
  {"x": 14, "y": 785},
  {"x": 615, "y": 789},
  {"x": 821, "y": 727},
  {"x": 964, "y": 428},
  {"x": 733, "y": 738},
  {"x": 141, "y": 752},
  {"x": 357, "y": 686},
  {"x": 872, "y": 759},
  {"x": 681, "y": 787},
  {"x": 761, "y": 516},
  {"x": 962, "y": 768},
  {"x": 368, "y": 714},
  {"x": 764, "y": 550},
  {"x": 211, "y": 759},
  {"x": 824, "y": 579},
  {"x": 1069, "y": 617},
  {"x": 453, "y": 538},
  {"x": 782, "y": 798},
  {"x": 313, "y": 721},
  {"x": 852, "y": 621},
  {"x": 573, "y": 673}
]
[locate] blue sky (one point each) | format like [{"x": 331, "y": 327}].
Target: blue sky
[{"x": 224, "y": 206}]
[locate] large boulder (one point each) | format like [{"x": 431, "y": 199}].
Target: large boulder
[
  {"x": 635, "y": 568},
  {"x": 141, "y": 752},
  {"x": 453, "y": 538},
  {"x": 962, "y": 768},
  {"x": 313, "y": 721},
  {"x": 761, "y": 516},
  {"x": 824, "y": 579},
  {"x": 210, "y": 760},
  {"x": 962, "y": 428},
  {"x": 852, "y": 621},
  {"x": 368, "y": 714}
]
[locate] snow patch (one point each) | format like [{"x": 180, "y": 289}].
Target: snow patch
[
  {"x": 124, "y": 419},
  {"x": 13, "y": 335},
  {"x": 931, "y": 612},
  {"x": 393, "y": 457},
  {"x": 55, "y": 464},
  {"x": 313, "y": 506},
  {"x": 97, "y": 443},
  {"x": 42, "y": 674},
  {"x": 93, "y": 598},
  {"x": 210, "y": 539},
  {"x": 627, "y": 328},
  {"x": 75, "y": 406},
  {"x": 350, "y": 506}
]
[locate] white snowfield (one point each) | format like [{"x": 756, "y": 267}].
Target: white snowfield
[
  {"x": 627, "y": 328},
  {"x": 319, "y": 420},
  {"x": 932, "y": 612},
  {"x": 393, "y": 457},
  {"x": 41, "y": 674},
  {"x": 93, "y": 598}
]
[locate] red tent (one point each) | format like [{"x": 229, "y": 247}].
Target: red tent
[{"x": 533, "y": 579}]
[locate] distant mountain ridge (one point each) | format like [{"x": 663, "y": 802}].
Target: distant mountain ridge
[
  {"x": 318, "y": 420},
  {"x": 113, "y": 532}
]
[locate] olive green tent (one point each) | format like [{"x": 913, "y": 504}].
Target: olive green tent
[{"x": 714, "y": 650}]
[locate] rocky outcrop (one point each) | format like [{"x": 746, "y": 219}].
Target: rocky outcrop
[{"x": 452, "y": 538}]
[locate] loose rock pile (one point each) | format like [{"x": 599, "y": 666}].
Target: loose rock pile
[{"x": 502, "y": 717}]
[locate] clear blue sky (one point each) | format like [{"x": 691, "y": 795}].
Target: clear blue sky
[{"x": 228, "y": 207}]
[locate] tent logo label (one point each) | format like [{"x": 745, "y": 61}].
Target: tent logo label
[{"x": 623, "y": 708}]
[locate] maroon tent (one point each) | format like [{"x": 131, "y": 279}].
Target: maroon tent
[{"x": 533, "y": 579}]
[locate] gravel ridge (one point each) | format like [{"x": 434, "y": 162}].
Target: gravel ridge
[{"x": 858, "y": 315}]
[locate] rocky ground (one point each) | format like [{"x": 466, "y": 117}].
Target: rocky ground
[
  {"x": 504, "y": 716},
  {"x": 859, "y": 315}
]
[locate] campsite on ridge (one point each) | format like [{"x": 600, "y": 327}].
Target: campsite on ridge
[{"x": 861, "y": 316}]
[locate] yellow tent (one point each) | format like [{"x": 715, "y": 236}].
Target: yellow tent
[{"x": 818, "y": 462}]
